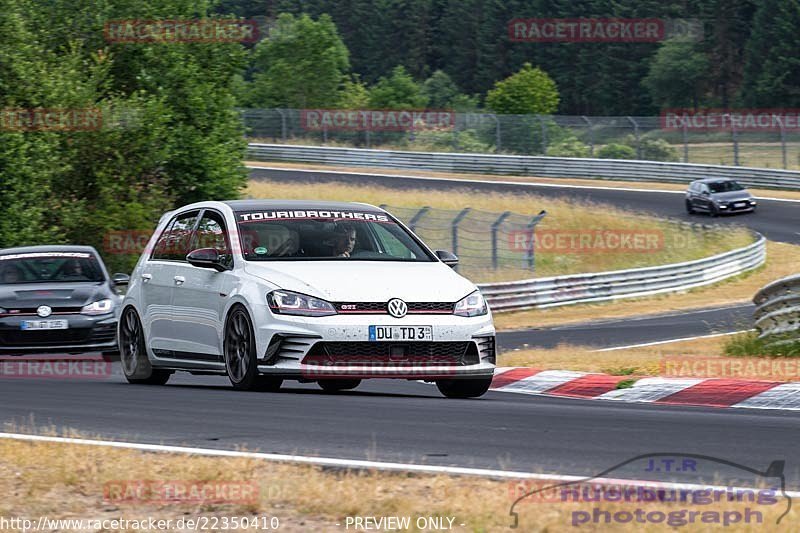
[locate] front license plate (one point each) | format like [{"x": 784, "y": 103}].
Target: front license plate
[
  {"x": 401, "y": 333},
  {"x": 739, "y": 204},
  {"x": 43, "y": 324}
]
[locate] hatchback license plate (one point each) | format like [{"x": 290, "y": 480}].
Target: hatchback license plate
[
  {"x": 401, "y": 333},
  {"x": 44, "y": 324}
]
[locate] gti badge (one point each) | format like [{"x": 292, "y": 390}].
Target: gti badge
[
  {"x": 397, "y": 308},
  {"x": 43, "y": 311}
]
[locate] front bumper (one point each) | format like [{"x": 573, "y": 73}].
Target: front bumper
[
  {"x": 85, "y": 334},
  {"x": 338, "y": 346}
]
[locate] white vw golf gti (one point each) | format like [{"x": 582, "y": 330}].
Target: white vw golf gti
[{"x": 266, "y": 291}]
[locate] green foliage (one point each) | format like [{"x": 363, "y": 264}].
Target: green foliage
[
  {"x": 354, "y": 95},
  {"x": 466, "y": 141},
  {"x": 616, "y": 151},
  {"x": 440, "y": 90},
  {"x": 302, "y": 64},
  {"x": 772, "y": 67},
  {"x": 398, "y": 91},
  {"x": 677, "y": 74},
  {"x": 653, "y": 149},
  {"x": 528, "y": 92},
  {"x": 568, "y": 147},
  {"x": 169, "y": 134},
  {"x": 750, "y": 345}
]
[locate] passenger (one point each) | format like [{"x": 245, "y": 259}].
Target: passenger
[{"x": 344, "y": 240}]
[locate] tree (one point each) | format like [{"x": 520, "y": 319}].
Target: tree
[
  {"x": 398, "y": 91},
  {"x": 772, "y": 66},
  {"x": 440, "y": 90},
  {"x": 528, "y": 92},
  {"x": 302, "y": 64},
  {"x": 678, "y": 74},
  {"x": 354, "y": 94}
]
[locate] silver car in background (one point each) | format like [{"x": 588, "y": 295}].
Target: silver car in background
[{"x": 717, "y": 196}]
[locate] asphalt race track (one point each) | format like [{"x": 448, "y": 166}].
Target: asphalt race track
[
  {"x": 404, "y": 422},
  {"x": 410, "y": 422},
  {"x": 777, "y": 220}
]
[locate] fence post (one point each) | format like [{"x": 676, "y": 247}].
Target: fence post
[
  {"x": 454, "y": 228},
  {"x": 783, "y": 144},
  {"x": 685, "y": 143},
  {"x": 529, "y": 254},
  {"x": 325, "y": 133},
  {"x": 591, "y": 135},
  {"x": 412, "y": 224},
  {"x": 495, "y": 225},
  {"x": 497, "y": 136},
  {"x": 636, "y": 136},
  {"x": 735, "y": 135},
  {"x": 283, "y": 124},
  {"x": 544, "y": 134},
  {"x": 366, "y": 135}
]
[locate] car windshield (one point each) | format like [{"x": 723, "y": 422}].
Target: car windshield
[
  {"x": 49, "y": 267},
  {"x": 307, "y": 235},
  {"x": 724, "y": 186}
]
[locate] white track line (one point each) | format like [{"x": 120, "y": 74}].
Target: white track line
[
  {"x": 501, "y": 182},
  {"x": 671, "y": 340},
  {"x": 372, "y": 465}
]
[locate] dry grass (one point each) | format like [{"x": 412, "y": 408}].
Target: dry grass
[
  {"x": 66, "y": 481},
  {"x": 782, "y": 260},
  {"x": 645, "y": 186},
  {"x": 679, "y": 243}
]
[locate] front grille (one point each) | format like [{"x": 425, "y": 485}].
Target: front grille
[
  {"x": 394, "y": 353},
  {"x": 56, "y": 337},
  {"x": 23, "y": 311},
  {"x": 418, "y": 308}
]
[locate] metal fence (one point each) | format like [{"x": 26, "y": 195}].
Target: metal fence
[
  {"x": 482, "y": 240},
  {"x": 777, "y": 314},
  {"x": 628, "y": 137},
  {"x": 552, "y": 167},
  {"x": 566, "y": 290}
]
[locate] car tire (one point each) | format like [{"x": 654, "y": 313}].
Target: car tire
[
  {"x": 239, "y": 351},
  {"x": 337, "y": 385},
  {"x": 133, "y": 352},
  {"x": 713, "y": 210},
  {"x": 464, "y": 388},
  {"x": 689, "y": 208}
]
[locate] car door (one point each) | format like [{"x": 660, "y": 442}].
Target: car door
[
  {"x": 158, "y": 281},
  {"x": 200, "y": 294},
  {"x": 704, "y": 198}
]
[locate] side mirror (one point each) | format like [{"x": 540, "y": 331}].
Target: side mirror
[
  {"x": 120, "y": 279},
  {"x": 447, "y": 258},
  {"x": 705, "y": 193},
  {"x": 206, "y": 258}
]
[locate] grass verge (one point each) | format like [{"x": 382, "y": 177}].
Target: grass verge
[
  {"x": 749, "y": 345},
  {"x": 677, "y": 242},
  {"x": 67, "y": 481},
  {"x": 782, "y": 260},
  {"x": 644, "y": 186}
]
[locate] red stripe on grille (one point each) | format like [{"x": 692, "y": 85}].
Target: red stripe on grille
[{"x": 719, "y": 392}]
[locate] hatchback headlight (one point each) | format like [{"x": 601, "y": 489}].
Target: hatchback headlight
[
  {"x": 100, "y": 307},
  {"x": 472, "y": 305},
  {"x": 294, "y": 303}
]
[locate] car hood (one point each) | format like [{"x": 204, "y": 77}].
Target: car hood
[
  {"x": 732, "y": 196},
  {"x": 366, "y": 281},
  {"x": 32, "y": 295}
]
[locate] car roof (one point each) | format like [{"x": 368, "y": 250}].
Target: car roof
[
  {"x": 255, "y": 204},
  {"x": 713, "y": 180},
  {"x": 48, "y": 248}
]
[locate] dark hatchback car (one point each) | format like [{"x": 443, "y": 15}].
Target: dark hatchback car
[
  {"x": 718, "y": 196},
  {"x": 57, "y": 299}
]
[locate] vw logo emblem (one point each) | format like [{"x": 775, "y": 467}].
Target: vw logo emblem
[
  {"x": 43, "y": 311},
  {"x": 397, "y": 308}
]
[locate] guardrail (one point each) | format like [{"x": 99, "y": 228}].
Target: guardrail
[
  {"x": 581, "y": 288},
  {"x": 777, "y": 310},
  {"x": 540, "y": 166}
]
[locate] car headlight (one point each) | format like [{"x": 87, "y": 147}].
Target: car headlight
[
  {"x": 472, "y": 305},
  {"x": 752, "y": 202},
  {"x": 100, "y": 307},
  {"x": 294, "y": 303}
]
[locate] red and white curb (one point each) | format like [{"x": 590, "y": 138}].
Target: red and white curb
[{"x": 710, "y": 392}]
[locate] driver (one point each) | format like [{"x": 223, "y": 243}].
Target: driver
[
  {"x": 74, "y": 269},
  {"x": 11, "y": 274},
  {"x": 344, "y": 240}
]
